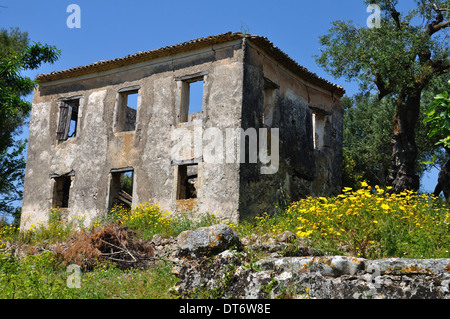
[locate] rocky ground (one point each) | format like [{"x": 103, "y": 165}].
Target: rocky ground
[{"x": 212, "y": 262}]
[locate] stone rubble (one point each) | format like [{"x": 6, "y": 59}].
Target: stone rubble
[{"x": 212, "y": 262}]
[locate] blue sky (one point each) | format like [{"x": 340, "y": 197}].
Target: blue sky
[{"x": 111, "y": 29}]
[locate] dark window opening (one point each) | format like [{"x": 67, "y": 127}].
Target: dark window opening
[
  {"x": 121, "y": 192},
  {"x": 192, "y": 99},
  {"x": 270, "y": 102},
  {"x": 319, "y": 122},
  {"x": 68, "y": 119},
  {"x": 187, "y": 181},
  {"x": 127, "y": 111},
  {"x": 61, "y": 191}
]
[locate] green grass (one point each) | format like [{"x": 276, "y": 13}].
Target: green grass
[
  {"x": 369, "y": 223},
  {"x": 41, "y": 276}
]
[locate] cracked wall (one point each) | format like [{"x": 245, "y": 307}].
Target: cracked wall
[{"x": 235, "y": 74}]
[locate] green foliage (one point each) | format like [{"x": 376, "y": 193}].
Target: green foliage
[
  {"x": 12, "y": 166},
  {"x": 13, "y": 85},
  {"x": 388, "y": 58},
  {"x": 54, "y": 230},
  {"x": 8, "y": 233},
  {"x": 12, "y": 41},
  {"x": 149, "y": 219},
  {"x": 367, "y": 140},
  {"x": 42, "y": 276},
  {"x": 400, "y": 61},
  {"x": 108, "y": 282},
  {"x": 366, "y": 222},
  {"x": 16, "y": 56},
  {"x": 32, "y": 277},
  {"x": 438, "y": 118},
  {"x": 127, "y": 185},
  {"x": 367, "y": 137}
]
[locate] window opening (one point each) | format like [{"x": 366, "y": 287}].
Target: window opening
[
  {"x": 270, "y": 100},
  {"x": 196, "y": 97},
  {"x": 192, "y": 99},
  {"x": 319, "y": 121},
  {"x": 187, "y": 181},
  {"x": 68, "y": 119},
  {"x": 61, "y": 191},
  {"x": 121, "y": 192},
  {"x": 127, "y": 111}
]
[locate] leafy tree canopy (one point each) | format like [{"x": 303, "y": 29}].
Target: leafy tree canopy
[
  {"x": 397, "y": 61},
  {"x": 367, "y": 138},
  {"x": 407, "y": 48},
  {"x": 16, "y": 55}
]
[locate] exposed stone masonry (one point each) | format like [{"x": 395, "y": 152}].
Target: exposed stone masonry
[{"x": 277, "y": 269}]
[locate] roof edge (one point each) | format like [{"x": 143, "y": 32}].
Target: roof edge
[{"x": 143, "y": 56}]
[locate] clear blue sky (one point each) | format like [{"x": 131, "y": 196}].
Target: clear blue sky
[{"x": 111, "y": 29}]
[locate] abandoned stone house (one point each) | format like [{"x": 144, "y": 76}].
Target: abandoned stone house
[{"x": 101, "y": 134}]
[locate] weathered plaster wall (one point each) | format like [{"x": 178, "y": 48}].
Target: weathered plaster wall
[
  {"x": 97, "y": 148},
  {"x": 233, "y": 74},
  {"x": 302, "y": 169}
]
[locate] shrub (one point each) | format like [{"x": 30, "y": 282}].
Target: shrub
[
  {"x": 370, "y": 223},
  {"x": 7, "y": 233},
  {"x": 54, "y": 230},
  {"x": 149, "y": 219}
]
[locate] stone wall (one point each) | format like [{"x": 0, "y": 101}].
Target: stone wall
[
  {"x": 213, "y": 263},
  {"x": 247, "y": 84},
  {"x": 304, "y": 170},
  {"x": 98, "y": 147}
]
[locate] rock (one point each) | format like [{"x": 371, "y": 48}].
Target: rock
[
  {"x": 156, "y": 240},
  {"x": 325, "y": 277},
  {"x": 284, "y": 249},
  {"x": 207, "y": 241},
  {"x": 270, "y": 247},
  {"x": 227, "y": 257},
  {"x": 286, "y": 237},
  {"x": 165, "y": 247},
  {"x": 335, "y": 266},
  {"x": 222, "y": 272}
]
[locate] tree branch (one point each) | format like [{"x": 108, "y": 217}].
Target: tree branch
[
  {"x": 383, "y": 89},
  {"x": 396, "y": 16},
  {"x": 438, "y": 24},
  {"x": 440, "y": 66}
]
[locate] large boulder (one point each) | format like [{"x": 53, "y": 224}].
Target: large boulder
[{"x": 207, "y": 241}]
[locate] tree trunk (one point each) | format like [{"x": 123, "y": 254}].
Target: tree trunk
[
  {"x": 404, "y": 150},
  {"x": 444, "y": 180}
]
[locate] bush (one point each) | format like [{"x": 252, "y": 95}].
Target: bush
[
  {"x": 55, "y": 230},
  {"x": 7, "y": 233},
  {"x": 370, "y": 223},
  {"x": 149, "y": 219}
]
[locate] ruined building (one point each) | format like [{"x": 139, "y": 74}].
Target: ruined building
[{"x": 102, "y": 134}]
